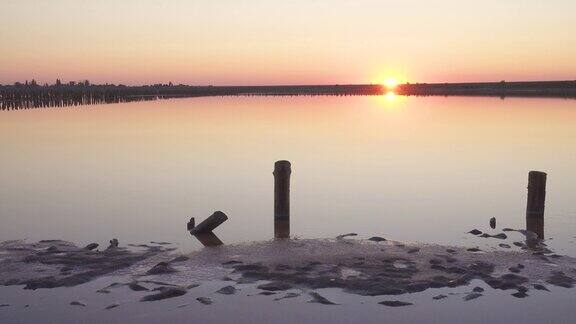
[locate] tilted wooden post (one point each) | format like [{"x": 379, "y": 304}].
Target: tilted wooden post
[
  {"x": 209, "y": 239},
  {"x": 536, "y": 202},
  {"x": 282, "y": 170},
  {"x": 203, "y": 231},
  {"x": 210, "y": 223}
]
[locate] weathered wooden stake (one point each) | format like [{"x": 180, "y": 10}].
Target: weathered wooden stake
[
  {"x": 536, "y": 202},
  {"x": 282, "y": 170},
  {"x": 209, "y": 239},
  {"x": 210, "y": 223},
  {"x": 203, "y": 232}
]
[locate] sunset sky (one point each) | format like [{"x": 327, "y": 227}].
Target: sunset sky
[{"x": 286, "y": 42}]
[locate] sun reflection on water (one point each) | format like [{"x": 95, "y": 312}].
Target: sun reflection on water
[{"x": 389, "y": 101}]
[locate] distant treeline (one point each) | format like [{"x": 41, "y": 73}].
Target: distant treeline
[
  {"x": 551, "y": 89},
  {"x": 32, "y": 95}
]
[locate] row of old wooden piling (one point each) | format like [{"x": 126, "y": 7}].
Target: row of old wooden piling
[
  {"x": 113, "y": 99},
  {"x": 24, "y": 97},
  {"x": 282, "y": 171},
  {"x": 60, "y": 102}
]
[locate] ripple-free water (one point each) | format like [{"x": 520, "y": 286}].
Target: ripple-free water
[{"x": 422, "y": 169}]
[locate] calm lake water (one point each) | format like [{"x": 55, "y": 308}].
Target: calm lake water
[{"x": 414, "y": 169}]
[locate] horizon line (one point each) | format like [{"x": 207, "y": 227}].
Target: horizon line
[{"x": 170, "y": 83}]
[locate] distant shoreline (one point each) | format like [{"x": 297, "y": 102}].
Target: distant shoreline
[
  {"x": 551, "y": 89},
  {"x": 32, "y": 95}
]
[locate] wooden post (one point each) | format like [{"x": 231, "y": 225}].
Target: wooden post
[
  {"x": 203, "y": 232},
  {"x": 210, "y": 223},
  {"x": 536, "y": 202},
  {"x": 282, "y": 170},
  {"x": 209, "y": 239}
]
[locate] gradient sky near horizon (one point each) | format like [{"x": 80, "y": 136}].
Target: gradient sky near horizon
[{"x": 300, "y": 41}]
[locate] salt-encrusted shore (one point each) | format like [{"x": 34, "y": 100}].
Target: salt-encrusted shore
[{"x": 371, "y": 267}]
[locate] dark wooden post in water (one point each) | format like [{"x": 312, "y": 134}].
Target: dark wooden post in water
[
  {"x": 282, "y": 170},
  {"x": 536, "y": 201},
  {"x": 209, "y": 239},
  {"x": 203, "y": 231}
]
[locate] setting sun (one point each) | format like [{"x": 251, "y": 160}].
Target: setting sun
[{"x": 391, "y": 83}]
